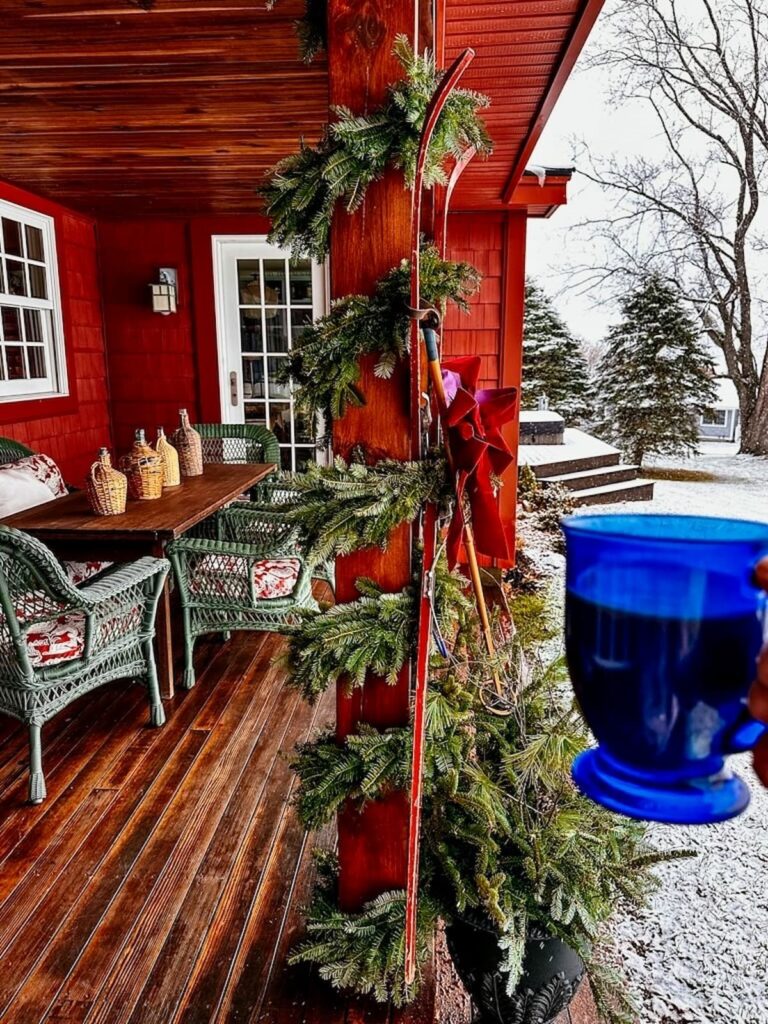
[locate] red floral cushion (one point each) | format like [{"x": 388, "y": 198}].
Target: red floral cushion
[
  {"x": 59, "y": 639},
  {"x": 272, "y": 577},
  {"x": 275, "y": 577},
  {"x": 79, "y": 572}
]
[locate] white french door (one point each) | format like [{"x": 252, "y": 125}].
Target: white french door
[{"x": 264, "y": 300}]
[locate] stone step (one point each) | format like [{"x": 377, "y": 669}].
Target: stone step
[
  {"x": 593, "y": 477},
  {"x": 630, "y": 490},
  {"x": 577, "y": 464}
]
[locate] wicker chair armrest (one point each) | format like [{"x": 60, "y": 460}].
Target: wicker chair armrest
[{"x": 125, "y": 577}]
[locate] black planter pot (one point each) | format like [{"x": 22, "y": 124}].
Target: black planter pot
[{"x": 552, "y": 972}]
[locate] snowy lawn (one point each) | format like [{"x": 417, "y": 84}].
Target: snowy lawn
[{"x": 699, "y": 955}]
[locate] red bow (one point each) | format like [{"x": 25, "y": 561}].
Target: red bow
[{"x": 473, "y": 422}]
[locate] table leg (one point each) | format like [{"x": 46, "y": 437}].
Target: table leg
[{"x": 164, "y": 637}]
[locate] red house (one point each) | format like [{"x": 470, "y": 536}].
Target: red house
[{"x": 132, "y": 139}]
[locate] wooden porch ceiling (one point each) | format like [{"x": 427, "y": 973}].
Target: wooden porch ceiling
[
  {"x": 139, "y": 107},
  {"x": 179, "y": 108},
  {"x": 525, "y": 50}
]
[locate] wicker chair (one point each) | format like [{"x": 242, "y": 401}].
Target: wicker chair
[
  {"x": 57, "y": 641},
  {"x": 10, "y": 450},
  {"x": 253, "y": 577},
  {"x": 238, "y": 442}
]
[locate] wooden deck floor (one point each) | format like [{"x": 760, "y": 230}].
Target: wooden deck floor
[{"x": 161, "y": 881}]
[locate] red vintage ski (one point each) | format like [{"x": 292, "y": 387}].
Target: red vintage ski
[{"x": 420, "y": 432}]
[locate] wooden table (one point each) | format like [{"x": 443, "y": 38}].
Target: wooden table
[{"x": 71, "y": 530}]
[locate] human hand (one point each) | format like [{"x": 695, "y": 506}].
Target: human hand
[{"x": 758, "y": 695}]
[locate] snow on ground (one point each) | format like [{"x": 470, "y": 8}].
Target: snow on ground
[{"x": 699, "y": 954}]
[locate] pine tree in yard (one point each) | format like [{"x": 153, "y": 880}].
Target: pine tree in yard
[
  {"x": 553, "y": 364},
  {"x": 655, "y": 376}
]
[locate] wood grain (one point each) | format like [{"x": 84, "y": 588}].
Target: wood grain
[
  {"x": 163, "y": 880},
  {"x": 364, "y": 246},
  {"x": 178, "y": 510},
  {"x": 182, "y": 108}
]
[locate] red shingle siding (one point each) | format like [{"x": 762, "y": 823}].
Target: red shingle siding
[
  {"x": 478, "y": 239},
  {"x": 151, "y": 357},
  {"x": 70, "y": 429}
]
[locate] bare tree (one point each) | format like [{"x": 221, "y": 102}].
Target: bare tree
[{"x": 694, "y": 215}]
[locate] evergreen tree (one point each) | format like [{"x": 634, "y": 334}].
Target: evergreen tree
[
  {"x": 655, "y": 377},
  {"x": 554, "y": 366}
]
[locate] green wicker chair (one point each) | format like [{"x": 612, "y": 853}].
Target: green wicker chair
[
  {"x": 253, "y": 577},
  {"x": 58, "y": 642},
  {"x": 12, "y": 450},
  {"x": 238, "y": 442}
]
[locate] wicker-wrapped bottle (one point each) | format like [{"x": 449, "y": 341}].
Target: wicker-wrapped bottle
[
  {"x": 144, "y": 469},
  {"x": 187, "y": 443},
  {"x": 106, "y": 486},
  {"x": 170, "y": 457}
]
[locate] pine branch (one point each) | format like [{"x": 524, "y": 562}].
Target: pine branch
[
  {"x": 324, "y": 364},
  {"x": 303, "y": 190},
  {"x": 373, "y": 634},
  {"x": 346, "y": 507},
  {"x": 365, "y": 952}
]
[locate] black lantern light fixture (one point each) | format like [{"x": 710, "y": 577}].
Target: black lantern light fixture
[{"x": 164, "y": 291}]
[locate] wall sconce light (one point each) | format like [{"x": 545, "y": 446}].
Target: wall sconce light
[{"x": 164, "y": 292}]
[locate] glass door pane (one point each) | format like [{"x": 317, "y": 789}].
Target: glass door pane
[{"x": 272, "y": 299}]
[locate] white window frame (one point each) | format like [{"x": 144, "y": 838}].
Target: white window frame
[
  {"x": 226, "y": 249},
  {"x": 54, "y": 384}
]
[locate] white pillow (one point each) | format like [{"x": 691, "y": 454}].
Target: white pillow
[{"x": 27, "y": 482}]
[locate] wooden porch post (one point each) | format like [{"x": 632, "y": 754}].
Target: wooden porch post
[{"x": 364, "y": 245}]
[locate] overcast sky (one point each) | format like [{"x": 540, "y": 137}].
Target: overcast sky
[{"x": 584, "y": 113}]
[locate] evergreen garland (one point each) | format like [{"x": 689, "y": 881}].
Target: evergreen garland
[
  {"x": 324, "y": 364},
  {"x": 375, "y": 633},
  {"x": 505, "y": 834},
  {"x": 364, "y": 951},
  {"x": 348, "y": 506},
  {"x": 302, "y": 192}
]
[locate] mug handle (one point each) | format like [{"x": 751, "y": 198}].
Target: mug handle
[{"x": 745, "y": 734}]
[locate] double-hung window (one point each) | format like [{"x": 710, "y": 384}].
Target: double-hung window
[{"x": 31, "y": 337}]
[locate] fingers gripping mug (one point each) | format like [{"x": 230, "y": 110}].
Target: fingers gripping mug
[{"x": 663, "y": 625}]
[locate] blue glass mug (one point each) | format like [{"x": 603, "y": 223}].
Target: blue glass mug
[{"x": 663, "y": 623}]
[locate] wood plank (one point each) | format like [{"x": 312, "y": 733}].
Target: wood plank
[
  {"x": 250, "y": 814},
  {"x": 70, "y": 749},
  {"x": 254, "y": 957},
  {"x": 147, "y": 791},
  {"x": 33, "y": 836},
  {"x": 207, "y": 985},
  {"x": 167, "y": 865}
]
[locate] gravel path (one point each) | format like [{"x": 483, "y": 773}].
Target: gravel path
[{"x": 699, "y": 954}]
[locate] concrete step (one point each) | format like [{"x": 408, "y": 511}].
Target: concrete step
[
  {"x": 578, "y": 464},
  {"x": 629, "y": 490},
  {"x": 593, "y": 477}
]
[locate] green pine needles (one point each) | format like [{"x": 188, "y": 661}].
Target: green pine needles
[
  {"x": 365, "y": 951},
  {"x": 372, "y": 634},
  {"x": 376, "y": 633},
  {"x": 324, "y": 365},
  {"x": 303, "y": 190},
  {"x": 349, "y": 506},
  {"x": 506, "y": 837}
]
